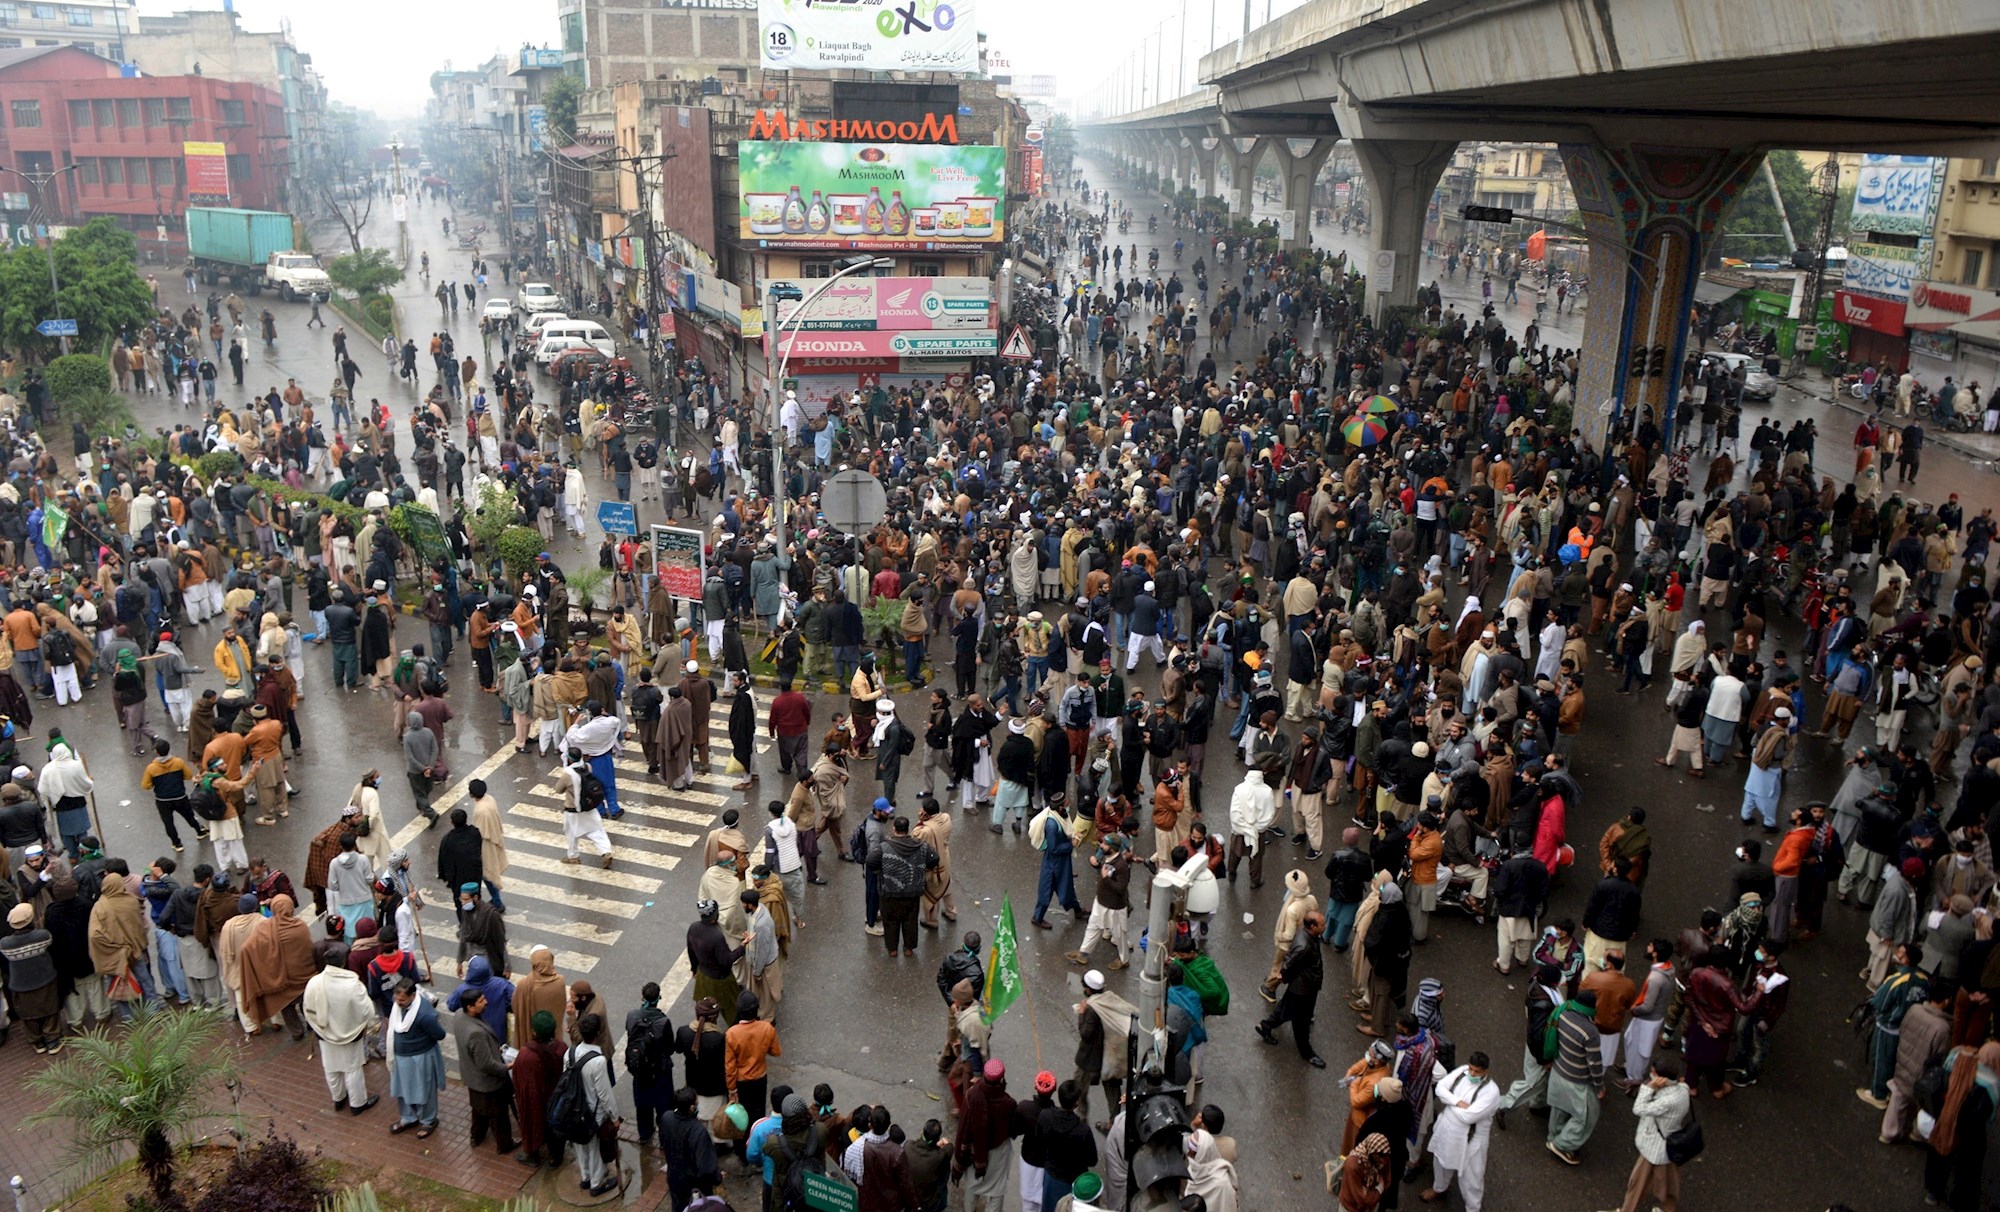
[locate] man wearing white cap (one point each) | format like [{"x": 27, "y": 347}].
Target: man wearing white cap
[
  {"x": 700, "y": 695},
  {"x": 1145, "y": 629}
]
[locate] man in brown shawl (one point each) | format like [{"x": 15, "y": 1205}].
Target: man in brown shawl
[
  {"x": 119, "y": 937},
  {"x": 676, "y": 740},
  {"x": 276, "y": 962}
]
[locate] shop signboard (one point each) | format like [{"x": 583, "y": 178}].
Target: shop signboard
[
  {"x": 1864, "y": 311},
  {"x": 1887, "y": 271},
  {"x": 868, "y": 35},
  {"x": 891, "y": 304},
  {"x": 1943, "y": 307},
  {"x": 963, "y": 344},
  {"x": 207, "y": 173},
  {"x": 874, "y": 197},
  {"x": 1897, "y": 194}
]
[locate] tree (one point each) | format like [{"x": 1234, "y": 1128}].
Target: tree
[
  {"x": 1748, "y": 231},
  {"x": 74, "y": 374},
  {"x": 561, "y": 100},
  {"x": 101, "y": 288},
  {"x": 367, "y": 272},
  {"x": 352, "y": 212},
  {"x": 141, "y": 1088}
]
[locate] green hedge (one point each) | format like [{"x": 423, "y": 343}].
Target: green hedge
[{"x": 75, "y": 374}]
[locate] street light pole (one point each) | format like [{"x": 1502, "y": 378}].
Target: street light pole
[
  {"x": 39, "y": 182},
  {"x": 774, "y": 369},
  {"x": 398, "y": 201}
]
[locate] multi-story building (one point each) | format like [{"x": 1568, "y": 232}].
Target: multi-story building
[
  {"x": 101, "y": 27},
  {"x": 609, "y": 42},
  {"x": 1953, "y": 315},
  {"x": 213, "y": 43},
  {"x": 486, "y": 127},
  {"x": 118, "y": 144},
  {"x": 1525, "y": 177}
]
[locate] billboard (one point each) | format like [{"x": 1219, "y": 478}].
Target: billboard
[
  {"x": 875, "y": 197},
  {"x": 892, "y": 305},
  {"x": 1884, "y": 270},
  {"x": 687, "y": 175},
  {"x": 207, "y": 173},
  {"x": 868, "y": 35},
  {"x": 1897, "y": 194},
  {"x": 961, "y": 343},
  {"x": 1040, "y": 86},
  {"x": 1862, "y": 311}
]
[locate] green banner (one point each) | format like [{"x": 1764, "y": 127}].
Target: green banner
[
  {"x": 55, "y": 524},
  {"x": 1003, "y": 966},
  {"x": 427, "y": 534},
  {"x": 876, "y": 196}
]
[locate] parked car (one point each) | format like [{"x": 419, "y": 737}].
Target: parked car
[
  {"x": 537, "y": 321},
  {"x": 549, "y": 347},
  {"x": 497, "y": 309},
  {"x": 585, "y": 358},
  {"x": 537, "y": 296},
  {"x": 1757, "y": 385}
]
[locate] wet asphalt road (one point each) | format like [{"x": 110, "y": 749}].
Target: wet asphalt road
[{"x": 872, "y": 1025}]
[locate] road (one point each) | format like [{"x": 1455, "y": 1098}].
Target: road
[{"x": 871, "y": 1025}]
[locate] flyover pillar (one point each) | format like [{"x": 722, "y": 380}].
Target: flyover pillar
[
  {"x": 1298, "y": 169},
  {"x": 1243, "y": 157},
  {"x": 1206, "y": 151},
  {"x": 1652, "y": 212},
  {"x": 1401, "y": 176}
]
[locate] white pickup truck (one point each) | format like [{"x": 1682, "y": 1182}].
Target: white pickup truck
[{"x": 296, "y": 275}]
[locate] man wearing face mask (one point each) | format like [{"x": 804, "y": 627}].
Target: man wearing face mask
[
  {"x": 1467, "y": 1099},
  {"x": 1753, "y": 1038}
]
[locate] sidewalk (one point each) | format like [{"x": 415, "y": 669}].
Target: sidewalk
[{"x": 282, "y": 1088}]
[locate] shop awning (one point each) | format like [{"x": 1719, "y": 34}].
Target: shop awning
[{"x": 1708, "y": 291}]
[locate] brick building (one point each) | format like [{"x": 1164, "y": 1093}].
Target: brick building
[{"x": 62, "y": 107}]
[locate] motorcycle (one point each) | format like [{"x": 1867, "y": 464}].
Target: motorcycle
[{"x": 1457, "y": 892}]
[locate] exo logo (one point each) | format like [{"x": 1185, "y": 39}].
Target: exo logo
[{"x": 908, "y": 19}]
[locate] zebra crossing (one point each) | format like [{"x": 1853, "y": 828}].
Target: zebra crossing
[{"x": 582, "y": 911}]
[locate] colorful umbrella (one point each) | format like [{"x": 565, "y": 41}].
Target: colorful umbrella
[
  {"x": 1383, "y": 404},
  {"x": 1364, "y": 431}
]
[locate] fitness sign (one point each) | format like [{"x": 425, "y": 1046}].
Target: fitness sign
[{"x": 868, "y": 35}]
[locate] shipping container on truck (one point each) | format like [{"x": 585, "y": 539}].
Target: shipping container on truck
[{"x": 231, "y": 246}]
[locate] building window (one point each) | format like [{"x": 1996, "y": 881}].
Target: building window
[
  {"x": 816, "y": 269},
  {"x": 9, "y": 15},
  {"x": 135, "y": 171},
  {"x": 10, "y": 44},
  {"x": 1989, "y": 168},
  {"x": 179, "y": 107},
  {"x": 920, "y": 269},
  {"x": 105, "y": 113},
  {"x": 43, "y": 12},
  {"x": 156, "y": 110},
  {"x": 1975, "y": 261},
  {"x": 79, "y": 113},
  {"x": 167, "y": 171},
  {"x": 80, "y": 16},
  {"x": 128, "y": 111},
  {"x": 86, "y": 172},
  {"x": 232, "y": 113},
  {"x": 27, "y": 114},
  {"x": 114, "y": 171},
  {"x": 239, "y": 170}
]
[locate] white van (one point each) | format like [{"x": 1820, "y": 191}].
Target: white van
[{"x": 567, "y": 334}]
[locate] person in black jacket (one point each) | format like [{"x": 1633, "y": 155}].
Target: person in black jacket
[
  {"x": 461, "y": 854},
  {"x": 1302, "y": 972},
  {"x": 1068, "y": 1147},
  {"x": 1388, "y": 945},
  {"x": 1540, "y": 1053},
  {"x": 1349, "y": 873},
  {"x": 1519, "y": 888},
  {"x": 1611, "y": 916},
  {"x": 963, "y": 964}
]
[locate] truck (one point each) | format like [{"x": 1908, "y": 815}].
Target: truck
[{"x": 251, "y": 250}]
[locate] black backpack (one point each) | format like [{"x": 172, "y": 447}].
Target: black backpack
[
  {"x": 60, "y": 649},
  {"x": 791, "y": 1194},
  {"x": 570, "y": 1117},
  {"x": 906, "y": 740},
  {"x": 590, "y": 793},
  {"x": 647, "y": 1053},
  {"x": 207, "y": 801}
]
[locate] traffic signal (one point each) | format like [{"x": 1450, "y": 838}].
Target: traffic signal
[
  {"x": 1638, "y": 362},
  {"x": 1487, "y": 214},
  {"x": 1156, "y": 1143},
  {"x": 1659, "y": 369}
]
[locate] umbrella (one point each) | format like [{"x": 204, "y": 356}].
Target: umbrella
[
  {"x": 1383, "y": 404},
  {"x": 1364, "y": 431}
]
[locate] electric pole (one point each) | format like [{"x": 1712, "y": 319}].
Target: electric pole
[{"x": 1826, "y": 187}]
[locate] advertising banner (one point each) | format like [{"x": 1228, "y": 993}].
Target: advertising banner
[
  {"x": 679, "y": 560},
  {"x": 876, "y": 197},
  {"x": 1861, "y": 311},
  {"x": 207, "y": 173},
  {"x": 958, "y": 344},
  {"x": 687, "y": 175},
  {"x": 1897, "y": 194},
  {"x": 1886, "y": 270},
  {"x": 1943, "y": 307},
  {"x": 893, "y": 305},
  {"x": 869, "y": 35}
]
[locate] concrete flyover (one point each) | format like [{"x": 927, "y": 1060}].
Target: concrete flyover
[{"x": 1662, "y": 110}]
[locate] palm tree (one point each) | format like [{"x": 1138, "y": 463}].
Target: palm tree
[{"x": 143, "y": 1088}]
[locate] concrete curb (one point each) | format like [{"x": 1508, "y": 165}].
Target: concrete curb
[{"x": 1953, "y": 442}]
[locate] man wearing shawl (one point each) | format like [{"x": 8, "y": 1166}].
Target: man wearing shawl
[
  {"x": 677, "y": 740},
  {"x": 597, "y": 737},
  {"x": 338, "y": 1010},
  {"x": 65, "y": 786},
  {"x": 536, "y": 1070},
  {"x": 119, "y": 938},
  {"x": 542, "y": 989},
  {"x": 276, "y": 963},
  {"x": 416, "y": 1066},
  {"x": 481, "y": 932}
]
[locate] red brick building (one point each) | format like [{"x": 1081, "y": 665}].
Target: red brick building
[{"x": 61, "y": 106}]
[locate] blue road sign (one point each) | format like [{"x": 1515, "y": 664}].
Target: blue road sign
[
  {"x": 618, "y": 517},
  {"x": 57, "y": 328}
]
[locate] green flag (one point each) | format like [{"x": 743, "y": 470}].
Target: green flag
[
  {"x": 1003, "y": 966},
  {"x": 55, "y": 524}
]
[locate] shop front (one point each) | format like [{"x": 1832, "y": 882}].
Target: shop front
[
  {"x": 1876, "y": 329},
  {"x": 1954, "y": 330}
]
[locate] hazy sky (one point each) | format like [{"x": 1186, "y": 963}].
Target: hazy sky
[{"x": 379, "y": 54}]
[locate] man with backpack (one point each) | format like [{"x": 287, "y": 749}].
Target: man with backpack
[
  {"x": 649, "y": 1058},
  {"x": 581, "y": 819},
  {"x": 584, "y": 1102}
]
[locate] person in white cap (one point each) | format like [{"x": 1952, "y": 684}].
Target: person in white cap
[
  {"x": 700, "y": 695},
  {"x": 1145, "y": 617}
]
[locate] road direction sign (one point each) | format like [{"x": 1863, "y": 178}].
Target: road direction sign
[
  {"x": 854, "y": 502},
  {"x": 57, "y": 328},
  {"x": 618, "y": 517}
]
